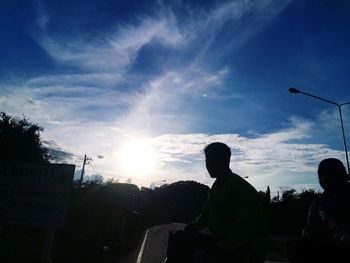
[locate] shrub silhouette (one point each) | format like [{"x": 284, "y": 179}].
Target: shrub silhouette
[{"x": 20, "y": 140}]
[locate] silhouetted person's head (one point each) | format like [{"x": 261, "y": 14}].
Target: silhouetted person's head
[
  {"x": 217, "y": 159},
  {"x": 332, "y": 174}
]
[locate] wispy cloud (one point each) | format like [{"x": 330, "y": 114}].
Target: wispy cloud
[
  {"x": 168, "y": 101},
  {"x": 266, "y": 152},
  {"x": 59, "y": 154},
  {"x": 97, "y": 103},
  {"x": 207, "y": 27},
  {"x": 116, "y": 50},
  {"x": 281, "y": 157},
  {"x": 43, "y": 17}
]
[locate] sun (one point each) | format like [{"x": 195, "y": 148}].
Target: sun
[{"x": 138, "y": 158}]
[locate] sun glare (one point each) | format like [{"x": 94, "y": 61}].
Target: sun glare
[{"x": 138, "y": 158}]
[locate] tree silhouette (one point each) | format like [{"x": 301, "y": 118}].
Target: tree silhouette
[
  {"x": 288, "y": 195},
  {"x": 287, "y": 216},
  {"x": 20, "y": 140}
]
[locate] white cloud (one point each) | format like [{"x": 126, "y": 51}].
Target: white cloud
[
  {"x": 273, "y": 159},
  {"x": 115, "y": 51},
  {"x": 207, "y": 26},
  {"x": 110, "y": 54},
  {"x": 166, "y": 104},
  {"x": 43, "y": 17},
  {"x": 277, "y": 158},
  {"x": 89, "y": 112},
  {"x": 88, "y": 79}
]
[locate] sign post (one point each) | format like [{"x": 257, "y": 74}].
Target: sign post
[
  {"x": 35, "y": 195},
  {"x": 50, "y": 234}
]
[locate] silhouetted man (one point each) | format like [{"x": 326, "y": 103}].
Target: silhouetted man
[
  {"x": 329, "y": 214},
  {"x": 233, "y": 213},
  {"x": 327, "y": 232}
]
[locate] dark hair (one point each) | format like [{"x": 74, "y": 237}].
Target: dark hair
[
  {"x": 331, "y": 171},
  {"x": 218, "y": 151}
]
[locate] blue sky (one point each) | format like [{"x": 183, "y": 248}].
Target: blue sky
[{"x": 107, "y": 77}]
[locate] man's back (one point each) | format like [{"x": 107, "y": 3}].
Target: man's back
[{"x": 234, "y": 215}]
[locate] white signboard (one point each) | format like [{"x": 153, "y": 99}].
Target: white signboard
[{"x": 34, "y": 194}]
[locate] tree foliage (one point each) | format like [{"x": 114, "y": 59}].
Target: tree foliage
[
  {"x": 287, "y": 216},
  {"x": 116, "y": 215},
  {"x": 20, "y": 140}
]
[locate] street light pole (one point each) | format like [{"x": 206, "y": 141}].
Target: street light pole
[{"x": 339, "y": 105}]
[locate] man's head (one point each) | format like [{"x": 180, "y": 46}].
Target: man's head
[
  {"x": 332, "y": 174},
  {"x": 217, "y": 159}
]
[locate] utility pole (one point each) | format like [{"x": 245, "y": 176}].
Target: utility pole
[{"x": 86, "y": 159}]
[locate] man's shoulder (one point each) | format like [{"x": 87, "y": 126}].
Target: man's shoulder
[
  {"x": 238, "y": 182},
  {"x": 233, "y": 176}
]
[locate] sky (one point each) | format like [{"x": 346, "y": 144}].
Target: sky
[{"x": 142, "y": 87}]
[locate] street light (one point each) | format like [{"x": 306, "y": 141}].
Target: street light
[{"x": 339, "y": 105}]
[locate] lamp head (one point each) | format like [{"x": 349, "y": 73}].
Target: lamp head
[{"x": 293, "y": 90}]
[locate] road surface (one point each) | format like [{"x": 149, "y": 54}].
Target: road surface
[{"x": 155, "y": 243}]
